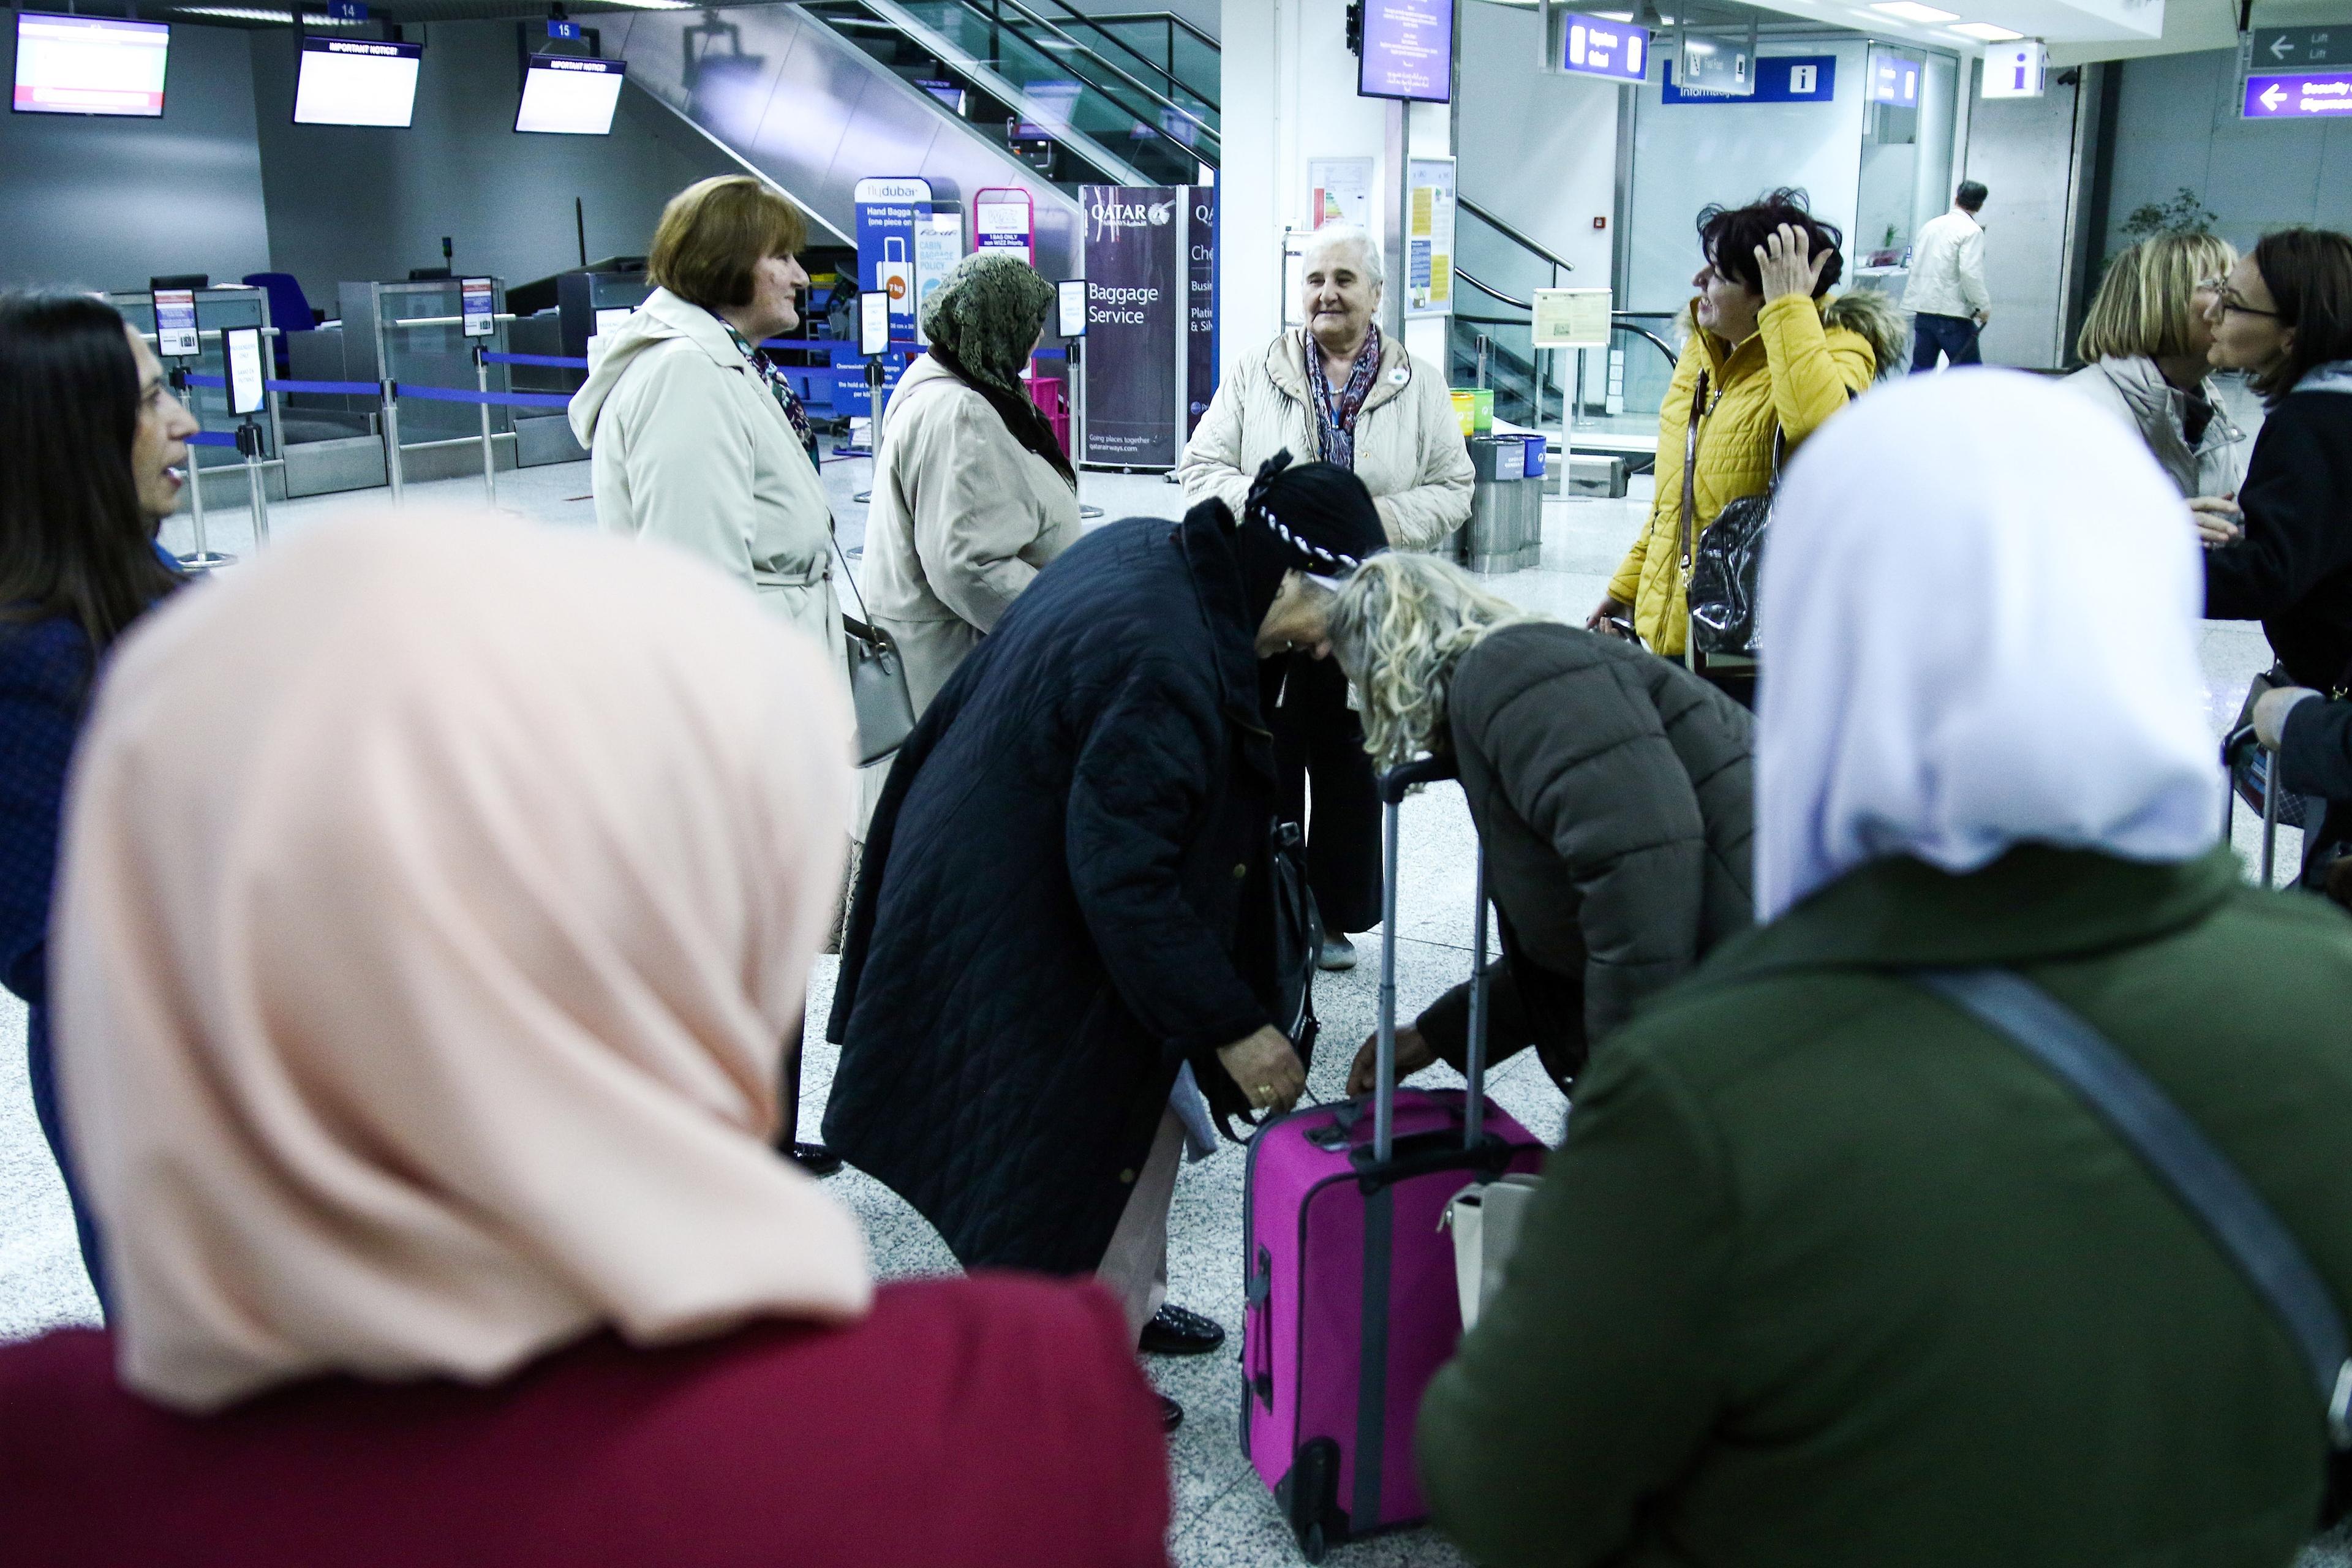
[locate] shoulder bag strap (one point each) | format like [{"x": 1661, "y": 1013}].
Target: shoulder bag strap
[
  {"x": 1690, "y": 514},
  {"x": 2208, "y": 1184}
]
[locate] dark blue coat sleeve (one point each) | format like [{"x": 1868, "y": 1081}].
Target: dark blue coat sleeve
[
  {"x": 2315, "y": 750},
  {"x": 43, "y": 673},
  {"x": 1146, "y": 773},
  {"x": 2293, "y": 538}
]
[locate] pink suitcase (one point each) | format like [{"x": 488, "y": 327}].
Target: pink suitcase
[{"x": 1351, "y": 1303}]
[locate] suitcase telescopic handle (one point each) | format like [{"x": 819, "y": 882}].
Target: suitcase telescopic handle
[
  {"x": 1393, "y": 785},
  {"x": 1401, "y": 779}
]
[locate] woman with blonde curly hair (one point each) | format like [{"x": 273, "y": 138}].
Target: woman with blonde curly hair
[
  {"x": 2144, "y": 349},
  {"x": 1610, "y": 789}
]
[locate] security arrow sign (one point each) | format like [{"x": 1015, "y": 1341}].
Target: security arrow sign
[{"x": 2298, "y": 95}]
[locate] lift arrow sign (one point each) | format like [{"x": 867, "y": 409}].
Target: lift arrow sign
[{"x": 2281, "y": 47}]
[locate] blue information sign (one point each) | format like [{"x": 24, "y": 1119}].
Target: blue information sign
[
  {"x": 2304, "y": 95},
  {"x": 1893, "y": 79},
  {"x": 1595, "y": 46},
  {"x": 1779, "y": 78},
  {"x": 347, "y": 10},
  {"x": 563, "y": 29}
]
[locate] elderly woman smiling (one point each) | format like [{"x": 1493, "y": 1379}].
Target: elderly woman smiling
[{"x": 1340, "y": 391}]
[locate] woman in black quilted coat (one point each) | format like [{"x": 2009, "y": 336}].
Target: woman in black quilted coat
[{"x": 1047, "y": 919}]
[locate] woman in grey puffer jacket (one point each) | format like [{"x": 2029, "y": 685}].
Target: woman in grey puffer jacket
[
  {"x": 1609, "y": 788},
  {"x": 2144, "y": 347}
]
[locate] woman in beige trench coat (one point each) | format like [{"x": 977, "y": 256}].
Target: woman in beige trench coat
[{"x": 973, "y": 494}]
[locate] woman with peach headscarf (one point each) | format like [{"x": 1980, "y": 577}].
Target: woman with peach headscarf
[{"x": 437, "y": 897}]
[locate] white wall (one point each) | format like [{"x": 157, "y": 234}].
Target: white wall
[
  {"x": 1290, "y": 95},
  {"x": 2176, "y": 124},
  {"x": 1538, "y": 150},
  {"x": 354, "y": 203},
  {"x": 1686, "y": 155},
  {"x": 111, "y": 203}
]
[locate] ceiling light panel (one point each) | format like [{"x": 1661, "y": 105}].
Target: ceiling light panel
[
  {"x": 1985, "y": 32},
  {"x": 1910, "y": 11}
]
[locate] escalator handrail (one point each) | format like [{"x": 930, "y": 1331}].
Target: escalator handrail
[
  {"x": 1517, "y": 237},
  {"x": 1113, "y": 68},
  {"x": 1166, "y": 73}
]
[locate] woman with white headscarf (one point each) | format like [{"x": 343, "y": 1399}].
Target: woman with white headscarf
[
  {"x": 421, "y": 998},
  {"x": 1829, "y": 1273}
]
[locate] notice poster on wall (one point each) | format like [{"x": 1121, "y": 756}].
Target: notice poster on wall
[
  {"x": 1429, "y": 237},
  {"x": 1201, "y": 317},
  {"x": 175, "y": 323},
  {"x": 1340, "y": 191},
  {"x": 888, "y": 213},
  {"x": 939, "y": 246},
  {"x": 1136, "y": 288}
]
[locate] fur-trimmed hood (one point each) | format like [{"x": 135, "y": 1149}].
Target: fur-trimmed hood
[{"x": 1878, "y": 321}]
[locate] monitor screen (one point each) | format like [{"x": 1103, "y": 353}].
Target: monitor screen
[
  {"x": 356, "y": 81},
  {"x": 1408, "y": 50},
  {"x": 90, "y": 65},
  {"x": 569, "y": 96}
]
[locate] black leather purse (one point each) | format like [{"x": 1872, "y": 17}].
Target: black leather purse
[
  {"x": 1721, "y": 566},
  {"x": 1281, "y": 933}
]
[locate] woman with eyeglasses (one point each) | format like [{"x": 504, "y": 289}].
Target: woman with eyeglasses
[
  {"x": 2283, "y": 553},
  {"x": 2146, "y": 351}
]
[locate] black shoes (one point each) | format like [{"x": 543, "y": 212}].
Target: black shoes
[
  {"x": 1171, "y": 1414},
  {"x": 1336, "y": 952},
  {"x": 815, "y": 1159},
  {"x": 1175, "y": 1331}
]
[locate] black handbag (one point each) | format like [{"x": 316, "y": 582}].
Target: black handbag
[
  {"x": 1281, "y": 933},
  {"x": 1721, "y": 566}
]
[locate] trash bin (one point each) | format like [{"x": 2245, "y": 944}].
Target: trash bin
[{"x": 1495, "y": 538}]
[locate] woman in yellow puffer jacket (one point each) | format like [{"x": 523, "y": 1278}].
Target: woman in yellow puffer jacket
[{"x": 1768, "y": 349}]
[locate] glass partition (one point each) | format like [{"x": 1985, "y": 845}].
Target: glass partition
[
  {"x": 421, "y": 334},
  {"x": 228, "y": 306}
]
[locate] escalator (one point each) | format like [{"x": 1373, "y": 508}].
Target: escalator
[{"x": 968, "y": 94}]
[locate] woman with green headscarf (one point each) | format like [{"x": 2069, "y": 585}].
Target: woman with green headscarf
[{"x": 973, "y": 494}]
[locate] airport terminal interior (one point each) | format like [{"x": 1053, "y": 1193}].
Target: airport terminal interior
[{"x": 377, "y": 248}]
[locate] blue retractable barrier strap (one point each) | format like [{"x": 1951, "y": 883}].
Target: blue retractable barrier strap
[
  {"x": 553, "y": 362},
  {"x": 212, "y": 438},
  {"x": 494, "y": 399},
  {"x": 328, "y": 388}
]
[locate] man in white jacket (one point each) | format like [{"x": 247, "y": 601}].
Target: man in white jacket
[{"x": 1947, "y": 297}]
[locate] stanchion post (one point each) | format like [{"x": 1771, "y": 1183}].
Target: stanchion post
[
  {"x": 490, "y": 454},
  {"x": 248, "y": 442},
  {"x": 391, "y": 437},
  {"x": 201, "y": 559}
]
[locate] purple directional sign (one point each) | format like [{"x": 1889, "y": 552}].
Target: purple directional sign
[
  {"x": 2302, "y": 95},
  {"x": 1598, "y": 46}
]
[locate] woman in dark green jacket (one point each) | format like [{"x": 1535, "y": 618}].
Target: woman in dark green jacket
[
  {"x": 1827, "y": 1273},
  {"x": 1610, "y": 789}
]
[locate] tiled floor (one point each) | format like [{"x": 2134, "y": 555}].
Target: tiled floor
[{"x": 1223, "y": 1515}]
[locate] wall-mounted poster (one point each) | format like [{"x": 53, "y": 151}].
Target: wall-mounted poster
[
  {"x": 1429, "y": 237},
  {"x": 1339, "y": 190}
]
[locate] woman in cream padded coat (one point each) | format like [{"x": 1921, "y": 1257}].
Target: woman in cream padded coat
[
  {"x": 1337, "y": 392},
  {"x": 973, "y": 494}
]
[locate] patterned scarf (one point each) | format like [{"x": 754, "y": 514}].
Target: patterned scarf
[
  {"x": 777, "y": 382},
  {"x": 1335, "y": 418}
]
